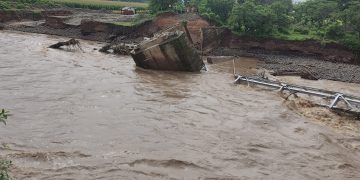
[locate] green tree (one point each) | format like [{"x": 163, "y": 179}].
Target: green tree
[
  {"x": 251, "y": 18},
  {"x": 282, "y": 19},
  {"x": 354, "y": 16},
  {"x": 335, "y": 30},
  {"x": 316, "y": 12},
  {"x": 162, "y": 5},
  {"x": 216, "y": 10},
  {"x": 179, "y": 7},
  {"x": 194, "y": 3}
]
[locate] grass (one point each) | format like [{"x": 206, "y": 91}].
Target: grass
[
  {"x": 139, "y": 19},
  {"x": 128, "y": 24},
  {"x": 101, "y": 4},
  {"x": 26, "y": 4},
  {"x": 295, "y": 36},
  {"x": 349, "y": 41}
]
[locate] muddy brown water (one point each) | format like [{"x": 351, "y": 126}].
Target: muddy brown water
[{"x": 89, "y": 115}]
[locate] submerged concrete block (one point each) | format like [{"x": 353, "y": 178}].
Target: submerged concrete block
[{"x": 169, "y": 51}]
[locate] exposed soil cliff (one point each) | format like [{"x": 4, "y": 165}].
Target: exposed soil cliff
[
  {"x": 329, "y": 52},
  {"x": 167, "y": 20},
  {"x": 13, "y": 15},
  {"x": 220, "y": 37}
]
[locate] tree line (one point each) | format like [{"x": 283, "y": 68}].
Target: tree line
[{"x": 322, "y": 20}]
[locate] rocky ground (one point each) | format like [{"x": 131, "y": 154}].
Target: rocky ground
[{"x": 284, "y": 62}]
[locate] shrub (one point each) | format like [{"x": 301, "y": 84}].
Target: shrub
[
  {"x": 301, "y": 29},
  {"x": 4, "y": 5},
  {"x": 352, "y": 41},
  {"x": 3, "y": 116},
  {"x": 4, "y": 168},
  {"x": 334, "y": 30}
]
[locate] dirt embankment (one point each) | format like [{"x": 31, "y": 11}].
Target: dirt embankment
[
  {"x": 330, "y": 52},
  {"x": 167, "y": 20},
  {"x": 12, "y": 15},
  {"x": 98, "y": 26}
]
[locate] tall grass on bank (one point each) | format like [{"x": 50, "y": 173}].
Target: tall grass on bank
[
  {"x": 26, "y": 4},
  {"x": 101, "y": 4},
  {"x": 85, "y": 4}
]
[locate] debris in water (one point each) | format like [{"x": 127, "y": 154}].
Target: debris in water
[
  {"x": 72, "y": 43},
  {"x": 122, "y": 48}
]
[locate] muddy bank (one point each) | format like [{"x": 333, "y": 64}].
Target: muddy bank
[
  {"x": 87, "y": 30},
  {"x": 15, "y": 15},
  {"x": 90, "y": 115}
]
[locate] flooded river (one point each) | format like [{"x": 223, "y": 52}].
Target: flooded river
[{"x": 89, "y": 115}]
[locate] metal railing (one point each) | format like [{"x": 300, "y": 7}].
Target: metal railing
[{"x": 352, "y": 102}]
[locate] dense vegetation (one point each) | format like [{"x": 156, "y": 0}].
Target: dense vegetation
[{"x": 321, "y": 20}]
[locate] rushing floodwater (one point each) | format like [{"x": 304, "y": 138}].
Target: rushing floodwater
[{"x": 94, "y": 116}]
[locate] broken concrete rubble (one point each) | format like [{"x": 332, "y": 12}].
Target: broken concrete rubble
[
  {"x": 168, "y": 51},
  {"x": 122, "y": 48}
]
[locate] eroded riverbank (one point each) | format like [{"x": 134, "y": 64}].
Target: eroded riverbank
[{"x": 90, "y": 115}]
